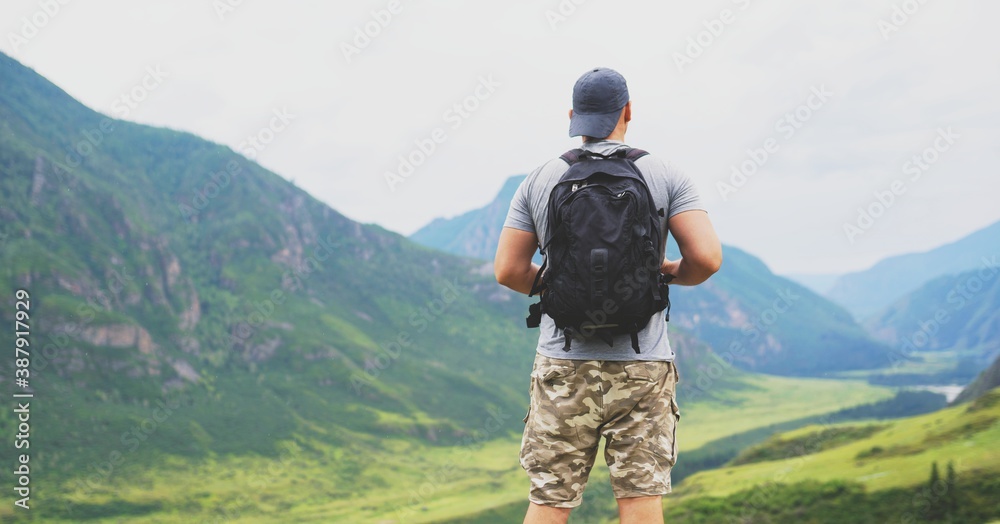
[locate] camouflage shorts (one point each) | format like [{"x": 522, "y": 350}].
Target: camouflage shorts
[{"x": 574, "y": 403}]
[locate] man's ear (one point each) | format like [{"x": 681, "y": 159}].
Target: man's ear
[
  {"x": 628, "y": 112},
  {"x": 571, "y": 114}
]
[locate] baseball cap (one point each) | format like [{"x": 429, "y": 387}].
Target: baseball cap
[{"x": 598, "y": 99}]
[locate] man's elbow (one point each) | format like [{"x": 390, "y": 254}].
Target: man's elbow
[
  {"x": 714, "y": 263},
  {"x": 502, "y": 278},
  {"x": 707, "y": 265},
  {"x": 505, "y": 277}
]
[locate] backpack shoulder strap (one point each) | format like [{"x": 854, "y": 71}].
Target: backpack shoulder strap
[
  {"x": 634, "y": 154},
  {"x": 573, "y": 156}
]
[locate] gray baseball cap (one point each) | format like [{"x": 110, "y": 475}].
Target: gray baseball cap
[{"x": 598, "y": 99}]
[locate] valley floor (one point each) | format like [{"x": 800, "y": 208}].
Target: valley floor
[{"x": 398, "y": 480}]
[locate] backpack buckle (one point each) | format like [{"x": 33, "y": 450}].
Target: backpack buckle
[{"x": 534, "y": 315}]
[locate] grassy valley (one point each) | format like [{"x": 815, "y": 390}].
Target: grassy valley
[{"x": 871, "y": 471}]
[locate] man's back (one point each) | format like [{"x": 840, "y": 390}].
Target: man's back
[{"x": 672, "y": 191}]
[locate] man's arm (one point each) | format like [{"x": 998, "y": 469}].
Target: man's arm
[
  {"x": 701, "y": 251},
  {"x": 512, "y": 265}
]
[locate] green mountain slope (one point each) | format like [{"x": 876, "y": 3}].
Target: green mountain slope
[
  {"x": 770, "y": 324},
  {"x": 165, "y": 270},
  {"x": 746, "y": 313},
  {"x": 865, "y": 293},
  {"x": 857, "y": 473},
  {"x": 987, "y": 381},
  {"x": 958, "y": 313}
]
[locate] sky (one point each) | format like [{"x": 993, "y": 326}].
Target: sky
[{"x": 823, "y": 136}]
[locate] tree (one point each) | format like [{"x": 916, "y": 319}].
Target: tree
[
  {"x": 951, "y": 504},
  {"x": 936, "y": 491}
]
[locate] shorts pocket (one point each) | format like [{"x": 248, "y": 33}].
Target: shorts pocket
[
  {"x": 531, "y": 398},
  {"x": 551, "y": 380},
  {"x": 677, "y": 419},
  {"x": 647, "y": 371},
  {"x": 549, "y": 371}
]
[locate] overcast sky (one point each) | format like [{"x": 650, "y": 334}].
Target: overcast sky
[{"x": 709, "y": 80}]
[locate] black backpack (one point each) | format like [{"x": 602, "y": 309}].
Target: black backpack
[{"x": 601, "y": 272}]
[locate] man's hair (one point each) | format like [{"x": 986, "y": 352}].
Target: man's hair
[{"x": 588, "y": 139}]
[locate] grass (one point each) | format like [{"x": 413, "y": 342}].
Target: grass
[
  {"x": 897, "y": 456},
  {"x": 401, "y": 482},
  {"x": 393, "y": 479},
  {"x": 970, "y": 498},
  {"x": 769, "y": 400},
  {"x": 785, "y": 447}
]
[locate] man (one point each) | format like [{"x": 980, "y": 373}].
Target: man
[{"x": 593, "y": 390}]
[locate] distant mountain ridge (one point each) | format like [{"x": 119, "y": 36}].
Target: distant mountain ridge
[
  {"x": 474, "y": 233},
  {"x": 819, "y": 283},
  {"x": 956, "y": 313},
  {"x": 865, "y": 293},
  {"x": 747, "y": 314}
]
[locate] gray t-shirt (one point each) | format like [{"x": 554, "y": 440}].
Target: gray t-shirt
[{"x": 672, "y": 190}]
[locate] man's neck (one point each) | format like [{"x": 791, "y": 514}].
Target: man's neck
[
  {"x": 612, "y": 138},
  {"x": 617, "y": 136}
]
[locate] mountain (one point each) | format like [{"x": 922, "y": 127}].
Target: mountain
[
  {"x": 211, "y": 343},
  {"x": 869, "y": 473},
  {"x": 472, "y": 234},
  {"x": 987, "y": 381},
  {"x": 958, "y": 313},
  {"x": 770, "y": 324},
  {"x": 819, "y": 283},
  {"x": 865, "y": 293},
  {"x": 746, "y": 313},
  {"x": 188, "y": 303}
]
